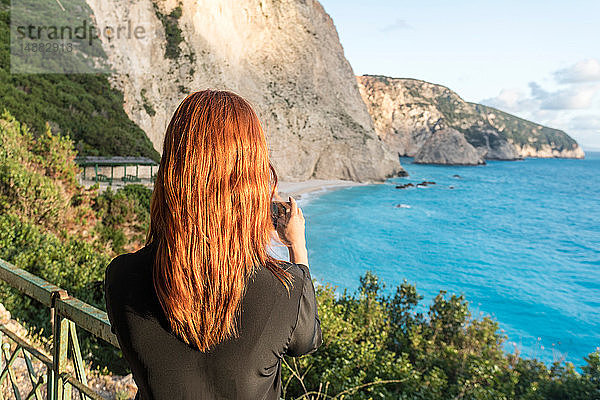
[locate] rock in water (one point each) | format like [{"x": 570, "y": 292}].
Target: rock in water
[
  {"x": 448, "y": 146},
  {"x": 406, "y": 113},
  {"x": 284, "y": 56}
]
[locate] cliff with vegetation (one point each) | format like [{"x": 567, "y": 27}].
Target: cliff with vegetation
[
  {"x": 408, "y": 112},
  {"x": 84, "y": 107},
  {"x": 283, "y": 56}
]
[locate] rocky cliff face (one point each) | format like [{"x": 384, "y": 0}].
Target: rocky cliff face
[
  {"x": 282, "y": 55},
  {"x": 407, "y": 113}
]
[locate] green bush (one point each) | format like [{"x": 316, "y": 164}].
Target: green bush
[
  {"x": 126, "y": 209},
  {"x": 146, "y": 103},
  {"x": 380, "y": 347},
  {"x": 43, "y": 216},
  {"x": 73, "y": 265},
  {"x": 36, "y": 174},
  {"x": 173, "y": 33}
]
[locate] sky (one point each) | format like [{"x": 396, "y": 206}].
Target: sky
[{"x": 539, "y": 60}]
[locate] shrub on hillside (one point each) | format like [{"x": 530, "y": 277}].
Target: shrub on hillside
[
  {"x": 71, "y": 264},
  {"x": 56, "y": 229},
  {"x": 123, "y": 211},
  {"x": 35, "y": 175},
  {"x": 82, "y": 106},
  {"x": 379, "y": 346}
]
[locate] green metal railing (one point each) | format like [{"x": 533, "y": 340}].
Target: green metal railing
[{"x": 66, "y": 313}]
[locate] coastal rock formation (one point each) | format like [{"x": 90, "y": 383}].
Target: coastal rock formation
[
  {"x": 408, "y": 112},
  {"x": 448, "y": 146},
  {"x": 283, "y": 56}
]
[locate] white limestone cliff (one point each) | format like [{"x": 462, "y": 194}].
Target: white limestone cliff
[{"x": 284, "y": 56}]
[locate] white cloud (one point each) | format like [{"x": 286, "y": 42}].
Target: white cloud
[
  {"x": 569, "y": 97},
  {"x": 586, "y": 122},
  {"x": 508, "y": 99},
  {"x": 397, "y": 25},
  {"x": 583, "y": 71},
  {"x": 575, "y": 97},
  {"x": 573, "y": 107},
  {"x": 515, "y": 101}
]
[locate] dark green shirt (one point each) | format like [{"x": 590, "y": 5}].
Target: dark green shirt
[{"x": 271, "y": 324}]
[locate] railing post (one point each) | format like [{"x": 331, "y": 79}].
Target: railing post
[
  {"x": 60, "y": 390},
  {"x": 77, "y": 359},
  {"x": 66, "y": 314},
  {"x": 50, "y": 388}
]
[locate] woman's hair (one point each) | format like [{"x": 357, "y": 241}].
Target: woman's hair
[{"x": 210, "y": 215}]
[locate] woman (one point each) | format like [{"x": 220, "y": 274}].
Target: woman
[{"x": 203, "y": 311}]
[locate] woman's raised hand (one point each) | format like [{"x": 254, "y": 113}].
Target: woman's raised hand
[{"x": 291, "y": 231}]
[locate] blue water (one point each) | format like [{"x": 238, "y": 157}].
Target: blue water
[{"x": 521, "y": 240}]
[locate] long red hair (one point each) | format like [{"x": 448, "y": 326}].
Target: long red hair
[{"x": 210, "y": 215}]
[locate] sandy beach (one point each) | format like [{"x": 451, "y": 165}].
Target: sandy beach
[{"x": 301, "y": 190}]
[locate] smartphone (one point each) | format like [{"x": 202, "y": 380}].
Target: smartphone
[{"x": 277, "y": 209}]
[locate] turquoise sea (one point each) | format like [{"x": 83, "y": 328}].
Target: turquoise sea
[{"x": 521, "y": 240}]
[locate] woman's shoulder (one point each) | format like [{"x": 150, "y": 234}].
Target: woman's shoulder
[
  {"x": 290, "y": 286},
  {"x": 128, "y": 283},
  {"x": 127, "y": 266},
  {"x": 297, "y": 270},
  {"x": 268, "y": 296}
]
